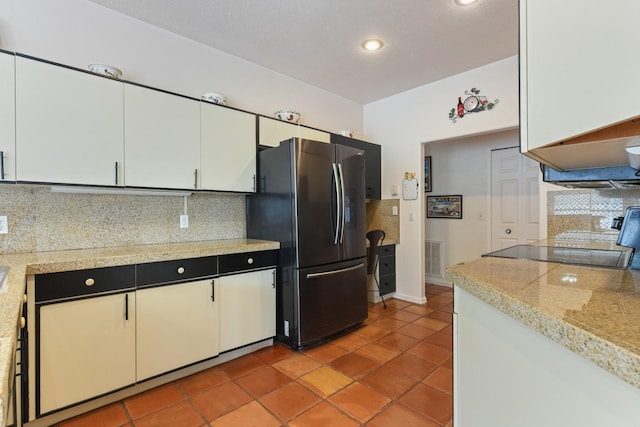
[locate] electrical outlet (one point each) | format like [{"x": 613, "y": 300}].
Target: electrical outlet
[
  {"x": 184, "y": 221},
  {"x": 4, "y": 225},
  {"x": 394, "y": 210}
]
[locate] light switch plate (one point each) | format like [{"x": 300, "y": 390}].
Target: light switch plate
[
  {"x": 184, "y": 221},
  {"x": 4, "y": 225}
]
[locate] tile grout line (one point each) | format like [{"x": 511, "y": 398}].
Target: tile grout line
[{"x": 368, "y": 336}]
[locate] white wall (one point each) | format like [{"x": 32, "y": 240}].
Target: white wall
[
  {"x": 78, "y": 33},
  {"x": 401, "y": 123}
]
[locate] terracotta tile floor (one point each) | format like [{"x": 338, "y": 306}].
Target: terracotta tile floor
[{"x": 394, "y": 371}]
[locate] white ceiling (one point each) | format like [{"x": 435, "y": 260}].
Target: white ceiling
[{"x": 318, "y": 41}]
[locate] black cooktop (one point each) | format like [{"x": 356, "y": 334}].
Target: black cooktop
[{"x": 566, "y": 255}]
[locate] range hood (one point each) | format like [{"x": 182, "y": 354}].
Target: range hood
[{"x": 621, "y": 177}]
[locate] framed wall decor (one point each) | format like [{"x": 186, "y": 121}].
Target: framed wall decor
[
  {"x": 444, "y": 207},
  {"x": 427, "y": 174}
]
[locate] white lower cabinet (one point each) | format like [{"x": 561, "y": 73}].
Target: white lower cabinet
[
  {"x": 100, "y": 330},
  {"x": 87, "y": 348},
  {"x": 177, "y": 325},
  {"x": 247, "y": 309},
  {"x": 506, "y": 374}
]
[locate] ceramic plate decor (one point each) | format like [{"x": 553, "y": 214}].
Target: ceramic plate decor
[
  {"x": 287, "y": 116},
  {"x": 105, "y": 70}
]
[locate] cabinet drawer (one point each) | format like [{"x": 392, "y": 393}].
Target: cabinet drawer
[
  {"x": 387, "y": 284},
  {"x": 69, "y": 284},
  {"x": 387, "y": 266},
  {"x": 388, "y": 250},
  {"x": 247, "y": 261},
  {"x": 153, "y": 273}
]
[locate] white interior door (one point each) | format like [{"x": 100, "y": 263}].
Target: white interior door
[{"x": 514, "y": 199}]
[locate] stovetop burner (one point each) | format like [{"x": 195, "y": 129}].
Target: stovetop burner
[{"x": 565, "y": 255}]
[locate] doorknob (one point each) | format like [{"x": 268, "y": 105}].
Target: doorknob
[{"x": 508, "y": 231}]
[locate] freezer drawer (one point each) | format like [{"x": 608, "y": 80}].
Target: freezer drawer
[{"x": 332, "y": 298}]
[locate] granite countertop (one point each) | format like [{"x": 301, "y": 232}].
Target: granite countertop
[
  {"x": 592, "y": 311},
  {"x": 24, "y": 264}
]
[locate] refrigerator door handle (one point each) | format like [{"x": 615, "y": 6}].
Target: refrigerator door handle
[
  {"x": 344, "y": 208},
  {"x": 333, "y": 272},
  {"x": 339, "y": 206}
]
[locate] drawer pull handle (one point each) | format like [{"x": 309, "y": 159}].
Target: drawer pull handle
[
  {"x": 89, "y": 282},
  {"x": 250, "y": 261},
  {"x": 180, "y": 270}
]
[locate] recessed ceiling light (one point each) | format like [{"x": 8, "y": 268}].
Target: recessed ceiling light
[
  {"x": 372, "y": 44},
  {"x": 464, "y": 2}
]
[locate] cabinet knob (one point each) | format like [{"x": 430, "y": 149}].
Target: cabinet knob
[
  {"x": 250, "y": 261},
  {"x": 89, "y": 282},
  {"x": 23, "y": 322},
  {"x": 180, "y": 270},
  {"x": 24, "y": 298}
]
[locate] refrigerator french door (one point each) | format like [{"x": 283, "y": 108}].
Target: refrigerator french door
[
  {"x": 312, "y": 199},
  {"x": 328, "y": 198},
  {"x": 329, "y": 299}
]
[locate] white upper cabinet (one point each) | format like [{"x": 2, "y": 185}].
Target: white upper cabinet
[
  {"x": 578, "y": 75},
  {"x": 228, "y": 149},
  {"x": 273, "y": 131},
  {"x": 162, "y": 139},
  {"x": 68, "y": 125},
  {"x": 7, "y": 118}
]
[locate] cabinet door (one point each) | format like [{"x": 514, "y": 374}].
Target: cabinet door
[
  {"x": 576, "y": 72},
  {"x": 176, "y": 325},
  {"x": 372, "y": 163},
  {"x": 68, "y": 125},
  {"x": 7, "y": 118},
  {"x": 314, "y": 134},
  {"x": 87, "y": 348},
  {"x": 247, "y": 308},
  {"x": 273, "y": 131},
  {"x": 162, "y": 139},
  {"x": 227, "y": 149}
]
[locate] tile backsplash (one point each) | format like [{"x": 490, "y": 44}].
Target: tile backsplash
[
  {"x": 40, "y": 220},
  {"x": 380, "y": 217},
  {"x": 587, "y": 214}
]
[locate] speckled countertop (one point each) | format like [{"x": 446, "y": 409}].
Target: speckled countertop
[
  {"x": 592, "y": 311},
  {"x": 24, "y": 264}
]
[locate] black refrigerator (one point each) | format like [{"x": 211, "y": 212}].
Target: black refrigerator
[{"x": 311, "y": 198}]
